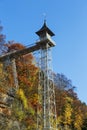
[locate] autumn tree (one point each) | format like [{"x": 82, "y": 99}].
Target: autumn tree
[
  {"x": 2, "y": 40},
  {"x": 69, "y": 107},
  {"x": 25, "y": 108},
  {"x": 84, "y": 126},
  {"x": 77, "y": 114},
  {"x": 68, "y": 113}
]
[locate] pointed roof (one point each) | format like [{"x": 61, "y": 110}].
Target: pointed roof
[{"x": 45, "y": 29}]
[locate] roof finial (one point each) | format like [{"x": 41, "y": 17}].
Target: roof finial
[{"x": 44, "y": 14}]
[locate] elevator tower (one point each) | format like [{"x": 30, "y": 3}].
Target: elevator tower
[{"x": 46, "y": 113}]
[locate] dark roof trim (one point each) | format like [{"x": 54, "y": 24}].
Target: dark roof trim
[{"x": 45, "y": 29}]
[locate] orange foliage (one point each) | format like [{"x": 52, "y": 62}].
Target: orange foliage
[{"x": 14, "y": 46}]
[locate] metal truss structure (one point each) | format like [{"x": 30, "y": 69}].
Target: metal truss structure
[{"x": 46, "y": 117}]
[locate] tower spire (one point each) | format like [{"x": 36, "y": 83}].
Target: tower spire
[
  {"x": 44, "y": 14},
  {"x": 45, "y": 21}
]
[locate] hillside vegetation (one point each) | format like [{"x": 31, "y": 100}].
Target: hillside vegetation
[{"x": 18, "y": 106}]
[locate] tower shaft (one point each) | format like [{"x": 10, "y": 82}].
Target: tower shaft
[{"x": 46, "y": 118}]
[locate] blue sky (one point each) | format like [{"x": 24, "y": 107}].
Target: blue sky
[{"x": 67, "y": 19}]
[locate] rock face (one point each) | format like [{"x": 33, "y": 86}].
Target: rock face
[
  {"x": 6, "y": 121},
  {"x": 7, "y": 118},
  {"x": 8, "y": 124},
  {"x": 6, "y": 99}
]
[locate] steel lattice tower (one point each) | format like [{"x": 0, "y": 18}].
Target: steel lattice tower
[{"x": 46, "y": 113}]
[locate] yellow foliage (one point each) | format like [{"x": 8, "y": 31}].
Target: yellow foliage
[
  {"x": 22, "y": 96},
  {"x": 59, "y": 119},
  {"x": 31, "y": 110},
  {"x": 78, "y": 120},
  {"x": 1, "y": 66},
  {"x": 20, "y": 114},
  {"x": 68, "y": 111}
]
